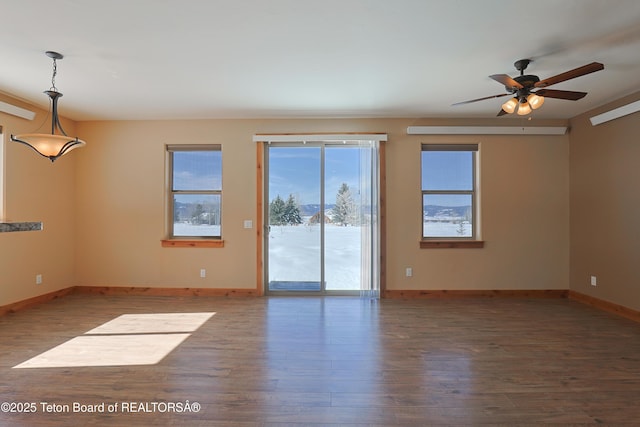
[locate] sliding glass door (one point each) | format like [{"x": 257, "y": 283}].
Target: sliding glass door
[
  {"x": 294, "y": 234},
  {"x": 322, "y": 218}
]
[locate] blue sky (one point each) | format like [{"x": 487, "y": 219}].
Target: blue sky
[
  {"x": 197, "y": 170},
  {"x": 296, "y": 170},
  {"x": 292, "y": 170},
  {"x": 447, "y": 170}
]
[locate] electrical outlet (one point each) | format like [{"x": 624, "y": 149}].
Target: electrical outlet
[
  {"x": 408, "y": 272},
  {"x": 38, "y": 279},
  {"x": 203, "y": 273},
  {"x": 594, "y": 281}
]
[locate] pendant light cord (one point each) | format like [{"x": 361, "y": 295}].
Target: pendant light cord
[{"x": 53, "y": 75}]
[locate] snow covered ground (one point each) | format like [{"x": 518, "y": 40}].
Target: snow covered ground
[
  {"x": 446, "y": 229},
  {"x": 294, "y": 251},
  {"x": 294, "y": 255},
  {"x": 186, "y": 229}
]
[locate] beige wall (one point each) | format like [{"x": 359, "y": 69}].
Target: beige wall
[
  {"x": 36, "y": 190},
  {"x": 605, "y": 206},
  {"x": 103, "y": 209},
  {"x": 121, "y": 200},
  {"x": 524, "y": 216}
]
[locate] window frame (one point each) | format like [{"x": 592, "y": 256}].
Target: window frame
[
  {"x": 174, "y": 240},
  {"x": 472, "y": 241}
]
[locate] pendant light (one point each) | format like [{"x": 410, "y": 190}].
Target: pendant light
[{"x": 53, "y": 145}]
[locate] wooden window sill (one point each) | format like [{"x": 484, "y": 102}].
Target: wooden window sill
[
  {"x": 183, "y": 243},
  {"x": 440, "y": 244}
]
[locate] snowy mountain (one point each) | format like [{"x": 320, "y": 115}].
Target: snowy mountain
[
  {"x": 312, "y": 209},
  {"x": 445, "y": 211}
]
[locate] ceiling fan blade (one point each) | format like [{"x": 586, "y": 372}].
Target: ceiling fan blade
[
  {"x": 561, "y": 94},
  {"x": 572, "y": 74},
  {"x": 506, "y": 80},
  {"x": 501, "y": 113},
  {"x": 480, "y": 99}
]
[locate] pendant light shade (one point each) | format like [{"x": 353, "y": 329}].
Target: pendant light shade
[
  {"x": 49, "y": 146},
  {"x": 53, "y": 145}
]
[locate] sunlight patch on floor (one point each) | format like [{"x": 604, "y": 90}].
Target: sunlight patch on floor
[
  {"x": 130, "y": 339},
  {"x": 108, "y": 350},
  {"x": 152, "y": 323}
]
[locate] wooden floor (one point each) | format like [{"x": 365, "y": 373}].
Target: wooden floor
[{"x": 336, "y": 361}]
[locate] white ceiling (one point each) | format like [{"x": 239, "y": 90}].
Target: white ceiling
[{"x": 173, "y": 59}]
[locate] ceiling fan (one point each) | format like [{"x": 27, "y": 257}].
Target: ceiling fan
[{"x": 522, "y": 88}]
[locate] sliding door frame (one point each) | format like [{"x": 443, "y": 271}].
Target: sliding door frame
[{"x": 262, "y": 220}]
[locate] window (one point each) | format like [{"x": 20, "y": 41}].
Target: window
[
  {"x": 449, "y": 195},
  {"x": 195, "y": 198}
]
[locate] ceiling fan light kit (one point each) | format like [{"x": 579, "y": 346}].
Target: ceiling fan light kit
[
  {"x": 522, "y": 88},
  {"x": 524, "y": 108},
  {"x": 510, "y": 106},
  {"x": 535, "y": 101},
  {"x": 51, "y": 146}
]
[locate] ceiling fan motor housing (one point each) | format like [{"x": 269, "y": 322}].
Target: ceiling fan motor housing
[{"x": 527, "y": 82}]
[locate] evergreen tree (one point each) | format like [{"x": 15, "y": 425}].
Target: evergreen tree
[
  {"x": 276, "y": 211},
  {"x": 291, "y": 213},
  {"x": 344, "y": 213}
]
